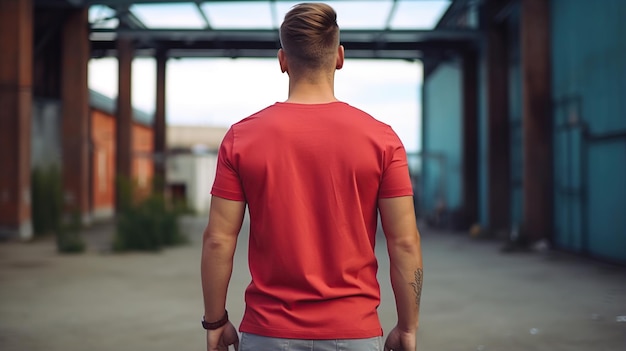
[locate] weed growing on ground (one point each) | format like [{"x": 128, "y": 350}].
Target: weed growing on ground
[
  {"x": 47, "y": 211},
  {"x": 146, "y": 223}
]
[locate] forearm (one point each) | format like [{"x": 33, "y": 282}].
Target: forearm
[
  {"x": 216, "y": 269},
  {"x": 406, "y": 280}
]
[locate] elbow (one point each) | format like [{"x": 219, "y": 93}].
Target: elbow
[
  {"x": 410, "y": 244},
  {"x": 217, "y": 249},
  {"x": 406, "y": 242},
  {"x": 214, "y": 241}
]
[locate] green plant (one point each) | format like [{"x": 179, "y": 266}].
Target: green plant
[
  {"x": 125, "y": 191},
  {"x": 69, "y": 239},
  {"x": 145, "y": 225},
  {"x": 47, "y": 211},
  {"x": 46, "y": 200}
]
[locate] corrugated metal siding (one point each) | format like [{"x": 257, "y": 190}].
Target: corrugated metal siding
[
  {"x": 441, "y": 161},
  {"x": 607, "y": 200},
  {"x": 589, "y": 88},
  {"x": 569, "y": 211}
]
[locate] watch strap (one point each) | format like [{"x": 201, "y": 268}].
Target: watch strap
[{"x": 215, "y": 325}]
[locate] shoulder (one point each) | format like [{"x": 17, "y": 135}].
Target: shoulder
[
  {"x": 255, "y": 116},
  {"x": 387, "y": 136},
  {"x": 367, "y": 118},
  {"x": 251, "y": 123}
]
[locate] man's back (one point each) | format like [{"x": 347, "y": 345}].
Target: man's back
[
  {"x": 312, "y": 175},
  {"x": 314, "y": 172}
]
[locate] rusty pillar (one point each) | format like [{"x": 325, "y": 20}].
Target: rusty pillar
[
  {"x": 75, "y": 99},
  {"x": 470, "y": 136},
  {"x": 160, "y": 126},
  {"x": 537, "y": 122},
  {"x": 16, "y": 98},
  {"x": 124, "y": 131},
  {"x": 498, "y": 155}
]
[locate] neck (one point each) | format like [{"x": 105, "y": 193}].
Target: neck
[{"x": 317, "y": 89}]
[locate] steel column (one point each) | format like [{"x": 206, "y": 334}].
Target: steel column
[
  {"x": 470, "y": 137},
  {"x": 75, "y": 125},
  {"x": 160, "y": 136},
  {"x": 537, "y": 125},
  {"x": 124, "y": 123},
  {"x": 498, "y": 172},
  {"x": 16, "y": 66}
]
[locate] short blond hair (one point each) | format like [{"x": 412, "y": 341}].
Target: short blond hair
[{"x": 309, "y": 35}]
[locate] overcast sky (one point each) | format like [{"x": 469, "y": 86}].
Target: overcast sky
[{"x": 223, "y": 91}]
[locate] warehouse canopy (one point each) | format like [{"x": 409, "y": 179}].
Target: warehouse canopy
[{"x": 369, "y": 29}]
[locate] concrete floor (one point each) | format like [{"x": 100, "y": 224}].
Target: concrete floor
[{"x": 474, "y": 297}]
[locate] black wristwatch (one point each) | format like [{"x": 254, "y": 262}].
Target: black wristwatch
[{"x": 215, "y": 325}]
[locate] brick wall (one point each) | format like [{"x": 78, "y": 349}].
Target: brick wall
[
  {"x": 143, "y": 147},
  {"x": 102, "y": 163}
]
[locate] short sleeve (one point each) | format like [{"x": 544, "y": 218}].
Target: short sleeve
[
  {"x": 227, "y": 183},
  {"x": 396, "y": 180}
]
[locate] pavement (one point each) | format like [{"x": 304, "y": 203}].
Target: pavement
[{"x": 475, "y": 297}]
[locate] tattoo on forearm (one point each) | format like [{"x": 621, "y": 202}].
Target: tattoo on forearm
[{"x": 417, "y": 285}]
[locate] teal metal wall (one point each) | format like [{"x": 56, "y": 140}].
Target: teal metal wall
[
  {"x": 441, "y": 144},
  {"x": 589, "y": 92}
]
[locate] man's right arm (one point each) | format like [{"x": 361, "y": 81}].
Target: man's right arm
[{"x": 405, "y": 257}]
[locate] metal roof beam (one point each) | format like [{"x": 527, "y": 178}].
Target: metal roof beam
[
  {"x": 274, "y": 11},
  {"x": 202, "y": 14},
  {"x": 127, "y": 18},
  {"x": 408, "y": 36},
  {"x": 234, "y": 53},
  {"x": 391, "y": 14},
  {"x": 130, "y": 2},
  {"x": 255, "y": 48},
  {"x": 403, "y": 44}
]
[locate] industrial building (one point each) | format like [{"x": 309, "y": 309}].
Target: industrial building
[
  {"x": 523, "y": 112},
  {"x": 526, "y": 132}
]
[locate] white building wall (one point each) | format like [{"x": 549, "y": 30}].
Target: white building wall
[
  {"x": 206, "y": 165},
  {"x": 197, "y": 172}
]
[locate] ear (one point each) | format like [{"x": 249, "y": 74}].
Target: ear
[
  {"x": 340, "y": 57},
  {"x": 282, "y": 60}
]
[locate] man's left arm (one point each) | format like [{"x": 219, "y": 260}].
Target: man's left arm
[{"x": 218, "y": 249}]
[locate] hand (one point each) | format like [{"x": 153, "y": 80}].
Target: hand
[
  {"x": 221, "y": 338},
  {"x": 398, "y": 340}
]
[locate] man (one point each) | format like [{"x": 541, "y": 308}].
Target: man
[{"x": 314, "y": 172}]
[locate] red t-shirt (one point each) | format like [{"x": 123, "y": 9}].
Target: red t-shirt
[{"x": 311, "y": 176}]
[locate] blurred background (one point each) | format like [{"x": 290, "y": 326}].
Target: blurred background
[
  {"x": 512, "y": 111},
  {"x": 513, "y": 114}
]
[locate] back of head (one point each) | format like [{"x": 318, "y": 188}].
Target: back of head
[{"x": 309, "y": 36}]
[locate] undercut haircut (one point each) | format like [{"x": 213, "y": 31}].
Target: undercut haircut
[{"x": 309, "y": 35}]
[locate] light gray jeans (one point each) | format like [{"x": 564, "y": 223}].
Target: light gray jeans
[{"x": 252, "y": 342}]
